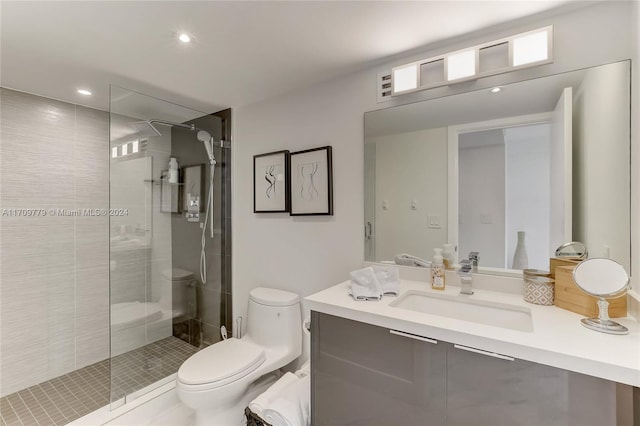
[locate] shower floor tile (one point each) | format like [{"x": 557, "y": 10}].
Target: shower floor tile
[{"x": 63, "y": 399}]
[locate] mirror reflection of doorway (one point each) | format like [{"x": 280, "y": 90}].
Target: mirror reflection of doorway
[{"x": 504, "y": 188}]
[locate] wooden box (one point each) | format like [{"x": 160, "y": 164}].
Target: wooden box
[
  {"x": 554, "y": 262},
  {"x": 568, "y": 296}
]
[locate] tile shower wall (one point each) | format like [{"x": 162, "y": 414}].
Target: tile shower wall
[
  {"x": 54, "y": 276},
  {"x": 213, "y": 300}
]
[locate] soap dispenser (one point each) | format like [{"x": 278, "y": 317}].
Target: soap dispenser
[
  {"x": 173, "y": 170},
  {"x": 437, "y": 270},
  {"x": 447, "y": 256}
]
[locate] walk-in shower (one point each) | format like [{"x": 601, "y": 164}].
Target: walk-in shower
[
  {"x": 170, "y": 256},
  {"x": 148, "y": 128},
  {"x": 102, "y": 300}
]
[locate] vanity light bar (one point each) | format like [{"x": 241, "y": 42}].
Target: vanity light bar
[{"x": 524, "y": 50}]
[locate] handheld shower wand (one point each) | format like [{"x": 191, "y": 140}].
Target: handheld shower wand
[{"x": 206, "y": 138}]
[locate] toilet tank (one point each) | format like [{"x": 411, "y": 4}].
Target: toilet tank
[{"x": 274, "y": 318}]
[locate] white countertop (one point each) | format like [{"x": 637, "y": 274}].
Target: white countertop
[{"x": 558, "y": 339}]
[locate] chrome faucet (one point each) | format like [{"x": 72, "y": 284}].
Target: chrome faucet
[
  {"x": 474, "y": 256},
  {"x": 466, "y": 279}
]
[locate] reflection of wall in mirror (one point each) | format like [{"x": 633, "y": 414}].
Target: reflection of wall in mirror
[
  {"x": 481, "y": 196},
  {"x": 528, "y": 192},
  {"x": 369, "y": 201},
  {"x": 410, "y": 166},
  {"x": 601, "y": 162},
  {"x": 503, "y": 189}
]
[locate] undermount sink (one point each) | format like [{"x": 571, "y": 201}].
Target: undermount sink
[{"x": 467, "y": 308}]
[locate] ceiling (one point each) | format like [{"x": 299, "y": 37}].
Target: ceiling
[{"x": 241, "y": 52}]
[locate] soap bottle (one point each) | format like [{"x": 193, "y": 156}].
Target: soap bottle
[
  {"x": 447, "y": 256},
  {"x": 173, "y": 170},
  {"x": 437, "y": 270}
]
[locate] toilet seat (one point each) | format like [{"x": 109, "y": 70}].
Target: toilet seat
[{"x": 220, "y": 364}]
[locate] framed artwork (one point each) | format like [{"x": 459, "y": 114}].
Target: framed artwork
[
  {"x": 193, "y": 185},
  {"x": 312, "y": 182},
  {"x": 271, "y": 182}
]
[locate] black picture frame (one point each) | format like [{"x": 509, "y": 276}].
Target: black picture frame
[
  {"x": 309, "y": 198},
  {"x": 264, "y": 188}
]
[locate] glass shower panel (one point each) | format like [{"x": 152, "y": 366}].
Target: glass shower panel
[{"x": 156, "y": 306}]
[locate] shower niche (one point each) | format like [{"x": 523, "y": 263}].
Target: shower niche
[{"x": 169, "y": 250}]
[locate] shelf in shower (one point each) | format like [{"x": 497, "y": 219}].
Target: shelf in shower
[{"x": 160, "y": 182}]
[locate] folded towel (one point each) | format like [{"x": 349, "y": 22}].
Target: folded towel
[
  {"x": 293, "y": 405},
  {"x": 408, "y": 260},
  {"x": 305, "y": 370},
  {"x": 265, "y": 399},
  {"x": 365, "y": 285},
  {"x": 389, "y": 279}
]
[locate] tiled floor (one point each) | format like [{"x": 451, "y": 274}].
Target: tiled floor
[{"x": 63, "y": 399}]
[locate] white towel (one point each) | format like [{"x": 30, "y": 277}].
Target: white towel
[
  {"x": 305, "y": 370},
  {"x": 293, "y": 406},
  {"x": 408, "y": 260},
  {"x": 365, "y": 285},
  {"x": 265, "y": 399},
  {"x": 389, "y": 279}
]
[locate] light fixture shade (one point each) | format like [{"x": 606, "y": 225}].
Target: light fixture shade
[
  {"x": 405, "y": 78},
  {"x": 530, "y": 48},
  {"x": 461, "y": 65}
]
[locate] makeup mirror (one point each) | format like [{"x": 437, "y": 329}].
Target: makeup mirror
[
  {"x": 574, "y": 249},
  {"x": 602, "y": 278}
]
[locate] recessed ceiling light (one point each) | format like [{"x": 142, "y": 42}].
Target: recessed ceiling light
[
  {"x": 495, "y": 90},
  {"x": 84, "y": 92},
  {"x": 184, "y": 37}
]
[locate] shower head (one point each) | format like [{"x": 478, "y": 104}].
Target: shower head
[
  {"x": 206, "y": 138},
  {"x": 145, "y": 128},
  {"x": 203, "y": 136}
]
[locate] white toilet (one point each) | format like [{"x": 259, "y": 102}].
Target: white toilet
[{"x": 219, "y": 382}]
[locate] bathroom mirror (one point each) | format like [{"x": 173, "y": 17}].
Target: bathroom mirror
[
  {"x": 507, "y": 172},
  {"x": 602, "y": 278}
]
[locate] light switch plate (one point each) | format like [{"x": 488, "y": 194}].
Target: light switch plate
[
  {"x": 433, "y": 222},
  {"x": 486, "y": 219}
]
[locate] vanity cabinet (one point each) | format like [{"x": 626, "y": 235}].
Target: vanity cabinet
[
  {"x": 490, "y": 389},
  {"x": 365, "y": 375},
  {"x": 368, "y": 375}
]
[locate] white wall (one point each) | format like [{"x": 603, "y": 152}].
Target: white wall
[
  {"x": 308, "y": 254},
  {"x": 54, "y": 292},
  {"x": 597, "y": 110},
  {"x": 410, "y": 167}
]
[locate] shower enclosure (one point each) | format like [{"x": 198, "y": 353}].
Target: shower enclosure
[
  {"x": 101, "y": 295},
  {"x": 170, "y": 233}
]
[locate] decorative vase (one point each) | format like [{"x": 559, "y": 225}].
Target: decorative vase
[{"x": 520, "y": 260}]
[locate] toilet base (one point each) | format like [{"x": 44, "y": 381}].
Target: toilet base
[{"x": 234, "y": 415}]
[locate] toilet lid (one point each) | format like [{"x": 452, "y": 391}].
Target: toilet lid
[
  {"x": 220, "y": 361},
  {"x": 273, "y": 297},
  {"x": 177, "y": 274}
]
